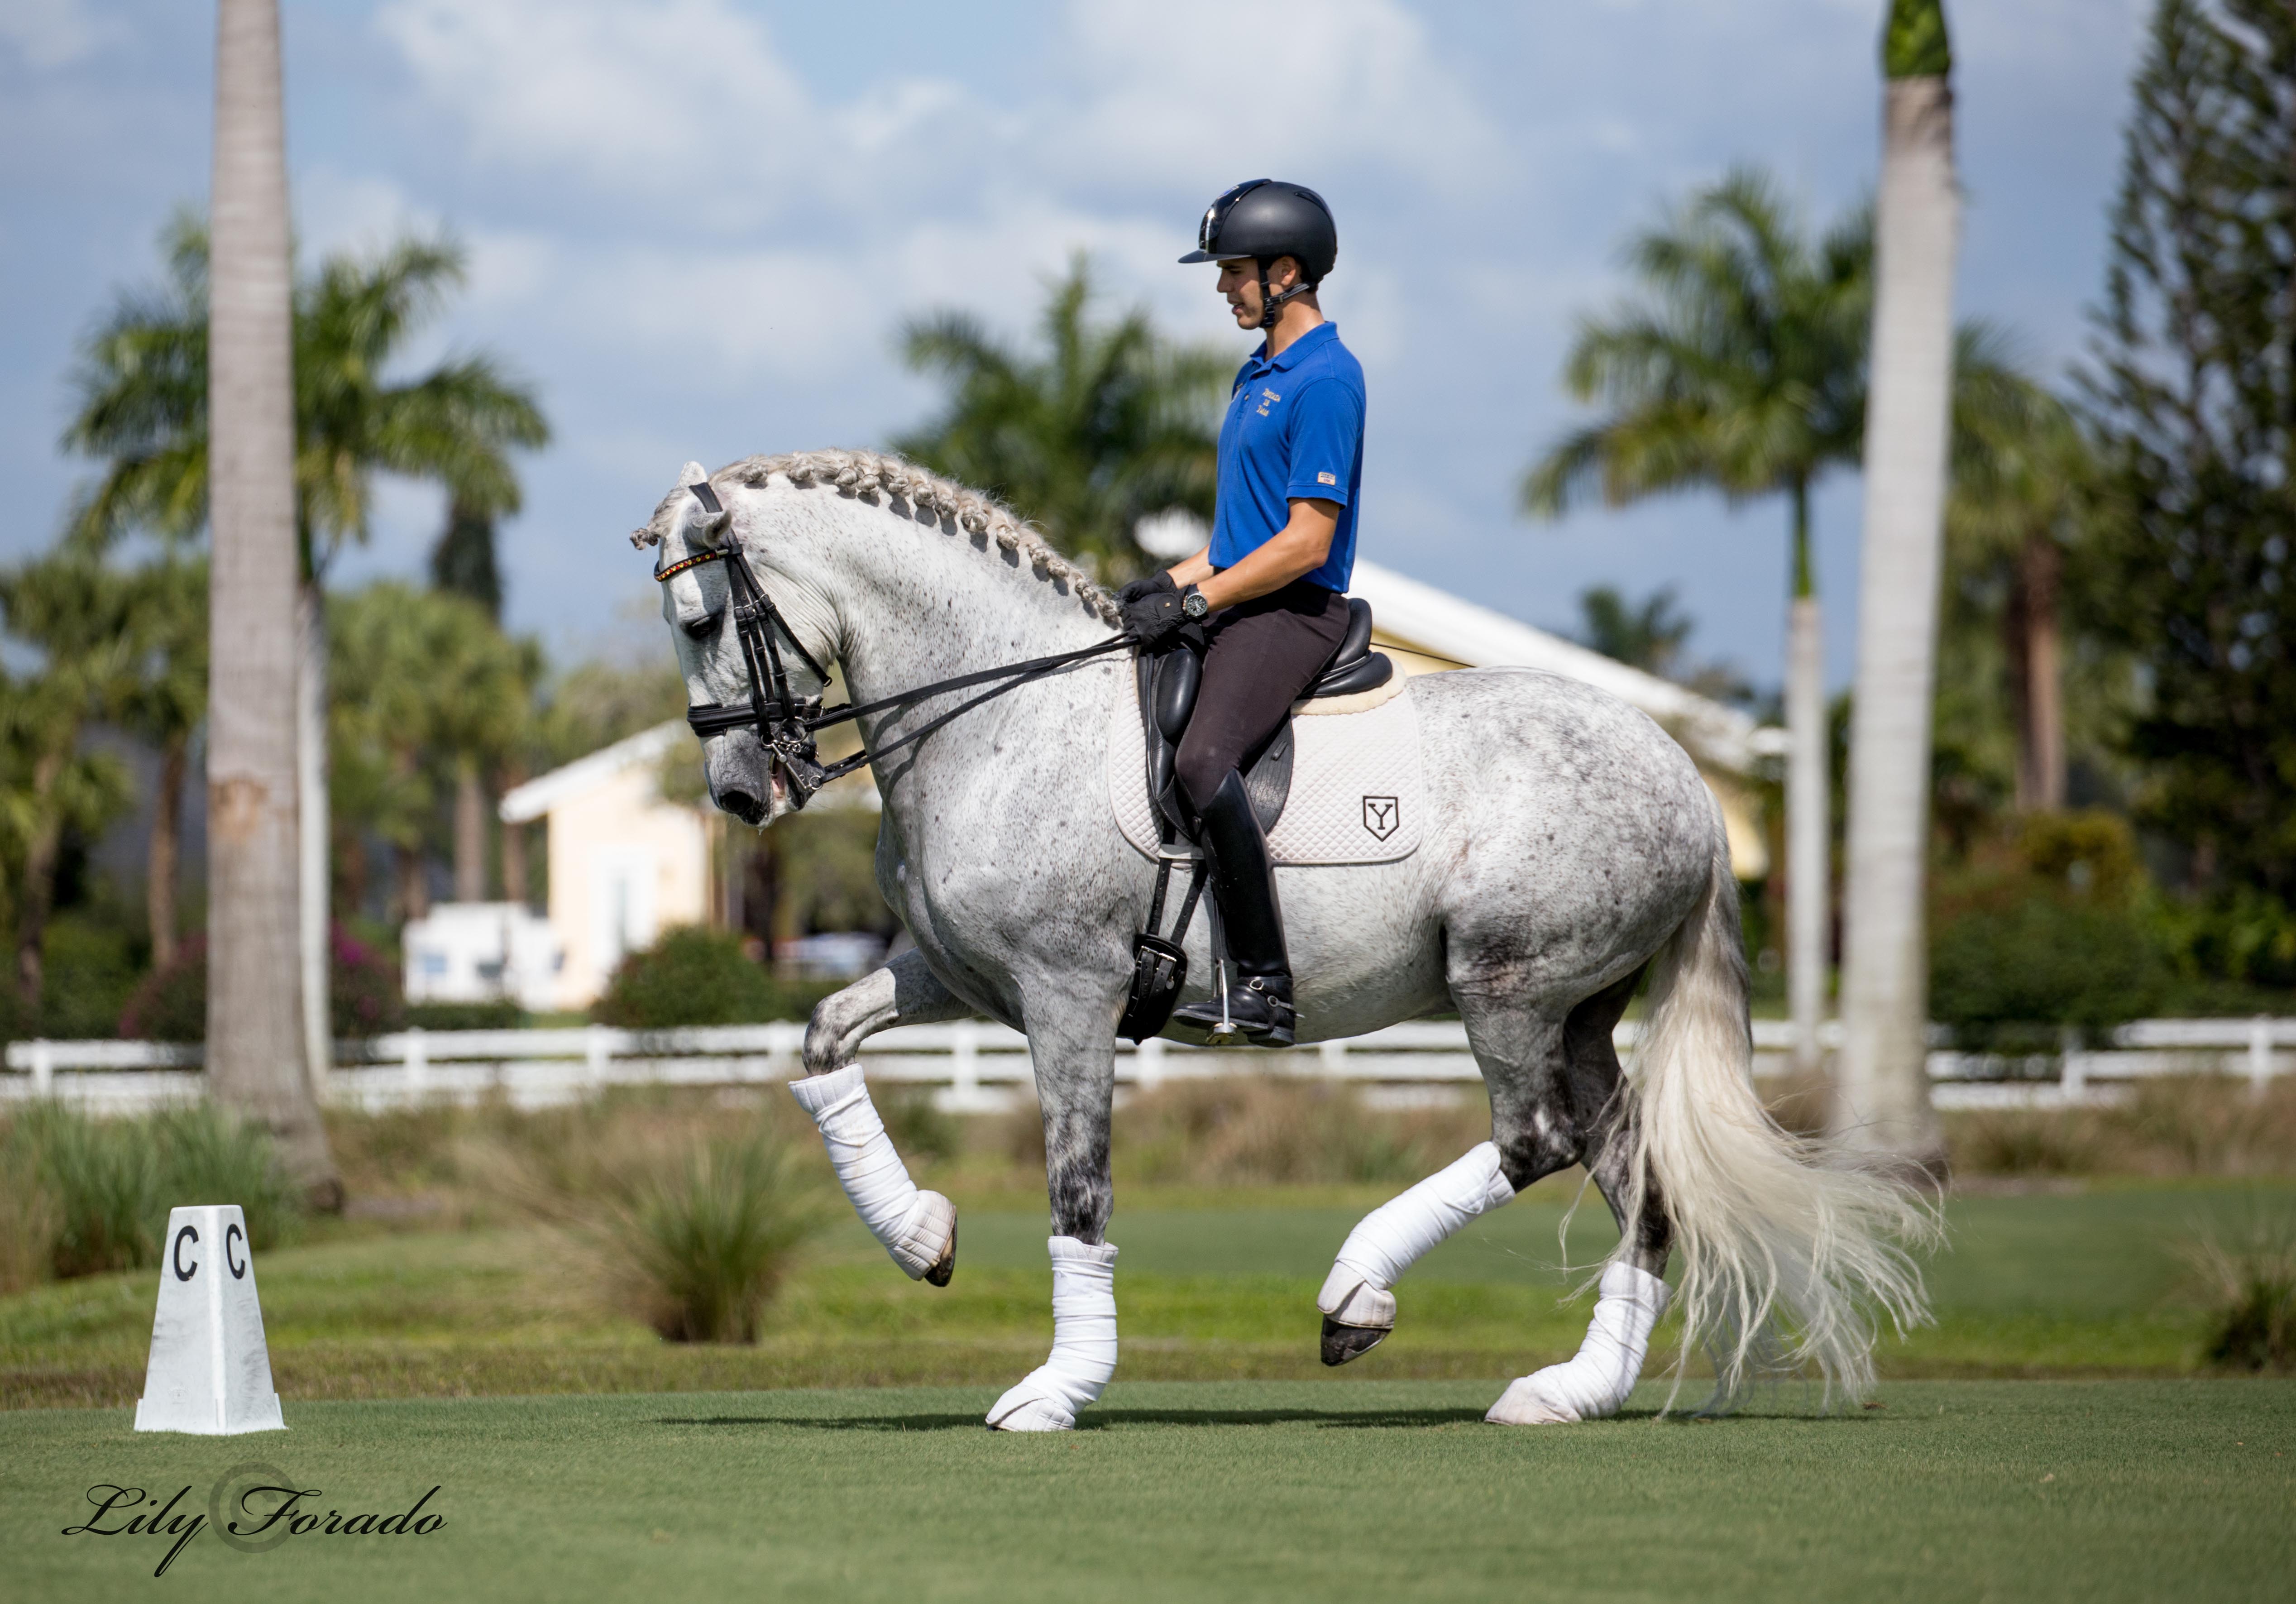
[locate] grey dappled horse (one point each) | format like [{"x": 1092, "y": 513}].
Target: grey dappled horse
[{"x": 1570, "y": 846}]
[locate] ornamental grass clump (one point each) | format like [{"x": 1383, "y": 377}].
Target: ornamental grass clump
[
  {"x": 98, "y": 1191},
  {"x": 701, "y": 1241},
  {"x": 2247, "y": 1288}
]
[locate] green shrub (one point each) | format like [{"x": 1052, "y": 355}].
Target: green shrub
[
  {"x": 27, "y": 1213},
  {"x": 2011, "y": 979},
  {"x": 697, "y": 975},
  {"x": 2248, "y": 1291},
  {"x": 363, "y": 995},
  {"x": 89, "y": 974},
  {"x": 703, "y": 1240},
  {"x": 107, "y": 1185},
  {"x": 501, "y": 1015},
  {"x": 2021, "y": 1142}
]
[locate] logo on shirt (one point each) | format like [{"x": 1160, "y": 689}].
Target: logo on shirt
[
  {"x": 1327, "y": 479},
  {"x": 1268, "y": 397}
]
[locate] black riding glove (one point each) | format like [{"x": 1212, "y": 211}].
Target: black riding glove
[
  {"x": 1154, "y": 612},
  {"x": 1146, "y": 585}
]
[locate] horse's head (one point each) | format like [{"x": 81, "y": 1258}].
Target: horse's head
[{"x": 694, "y": 532}]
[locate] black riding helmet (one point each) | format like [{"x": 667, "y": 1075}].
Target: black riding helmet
[{"x": 1263, "y": 219}]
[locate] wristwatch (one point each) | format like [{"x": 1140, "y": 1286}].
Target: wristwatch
[{"x": 1192, "y": 603}]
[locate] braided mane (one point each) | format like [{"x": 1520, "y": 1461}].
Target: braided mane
[{"x": 888, "y": 479}]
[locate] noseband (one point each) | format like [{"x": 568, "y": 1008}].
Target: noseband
[{"x": 786, "y": 722}]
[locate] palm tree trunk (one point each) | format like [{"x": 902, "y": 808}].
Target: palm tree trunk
[
  {"x": 2036, "y": 672},
  {"x": 167, "y": 848},
  {"x": 1883, "y": 1101},
  {"x": 1809, "y": 831},
  {"x": 470, "y": 832},
  {"x": 255, "y": 1029},
  {"x": 514, "y": 842},
  {"x": 38, "y": 897},
  {"x": 314, "y": 881}
]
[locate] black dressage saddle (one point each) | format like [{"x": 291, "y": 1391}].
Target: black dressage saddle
[{"x": 1168, "y": 682}]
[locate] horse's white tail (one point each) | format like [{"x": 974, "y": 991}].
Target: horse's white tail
[{"x": 1790, "y": 1252}]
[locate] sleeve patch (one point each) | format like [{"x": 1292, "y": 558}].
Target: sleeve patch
[{"x": 1327, "y": 479}]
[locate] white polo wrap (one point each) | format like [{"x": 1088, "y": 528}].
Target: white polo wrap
[
  {"x": 1596, "y": 1382},
  {"x": 1084, "y": 1343},
  {"x": 1392, "y": 1237},
  {"x": 916, "y": 1227}
]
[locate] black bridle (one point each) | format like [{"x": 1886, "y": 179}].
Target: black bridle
[{"x": 786, "y": 722}]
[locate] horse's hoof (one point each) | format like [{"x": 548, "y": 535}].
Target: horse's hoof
[
  {"x": 945, "y": 1266},
  {"x": 1343, "y": 1343}
]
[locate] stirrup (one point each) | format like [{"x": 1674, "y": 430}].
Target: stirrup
[{"x": 1260, "y": 1011}]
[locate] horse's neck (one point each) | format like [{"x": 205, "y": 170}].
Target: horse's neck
[{"x": 914, "y": 603}]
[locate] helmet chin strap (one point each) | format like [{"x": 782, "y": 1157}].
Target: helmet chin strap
[{"x": 1271, "y": 305}]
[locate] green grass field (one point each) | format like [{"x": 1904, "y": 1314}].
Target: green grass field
[
  {"x": 1212, "y": 1286},
  {"x": 1207, "y": 1491},
  {"x": 842, "y": 1458}
]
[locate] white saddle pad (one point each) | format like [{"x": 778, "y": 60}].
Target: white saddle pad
[{"x": 1357, "y": 795}]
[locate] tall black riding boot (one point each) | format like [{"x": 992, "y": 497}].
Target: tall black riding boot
[{"x": 1244, "y": 885}]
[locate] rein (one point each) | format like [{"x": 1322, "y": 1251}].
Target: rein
[{"x": 786, "y": 722}]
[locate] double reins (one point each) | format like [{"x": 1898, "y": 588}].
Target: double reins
[{"x": 787, "y": 722}]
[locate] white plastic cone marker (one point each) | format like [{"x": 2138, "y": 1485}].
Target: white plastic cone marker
[
  {"x": 1360, "y": 1289},
  {"x": 915, "y": 1226},
  {"x": 1608, "y": 1363},
  {"x": 210, "y": 1372},
  {"x": 1084, "y": 1343}
]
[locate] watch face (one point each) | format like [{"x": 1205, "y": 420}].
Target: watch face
[{"x": 1194, "y": 605}]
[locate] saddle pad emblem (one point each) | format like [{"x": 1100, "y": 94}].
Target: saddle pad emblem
[
  {"x": 1358, "y": 793},
  {"x": 1382, "y": 814}
]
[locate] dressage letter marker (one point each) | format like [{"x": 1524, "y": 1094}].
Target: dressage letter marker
[{"x": 210, "y": 1372}]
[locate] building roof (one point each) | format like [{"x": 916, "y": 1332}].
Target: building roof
[
  {"x": 544, "y": 792},
  {"x": 1410, "y": 613}
]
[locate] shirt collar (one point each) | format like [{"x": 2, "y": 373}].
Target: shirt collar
[{"x": 1291, "y": 353}]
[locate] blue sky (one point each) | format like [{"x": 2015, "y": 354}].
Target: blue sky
[{"x": 695, "y": 225}]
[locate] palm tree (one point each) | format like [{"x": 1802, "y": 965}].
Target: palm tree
[
  {"x": 422, "y": 677},
  {"x": 1881, "y": 1101},
  {"x": 77, "y": 615},
  {"x": 143, "y": 408},
  {"x": 1110, "y": 424},
  {"x": 1743, "y": 372},
  {"x": 255, "y": 1037},
  {"x": 2021, "y": 477},
  {"x": 164, "y": 701}
]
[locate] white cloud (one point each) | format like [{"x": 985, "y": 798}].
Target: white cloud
[
  {"x": 55, "y": 33},
  {"x": 1185, "y": 88},
  {"x": 659, "y": 94}
]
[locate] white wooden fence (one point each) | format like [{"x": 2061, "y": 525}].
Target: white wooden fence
[{"x": 978, "y": 1067}]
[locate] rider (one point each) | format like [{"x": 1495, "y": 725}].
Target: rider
[{"x": 1272, "y": 584}]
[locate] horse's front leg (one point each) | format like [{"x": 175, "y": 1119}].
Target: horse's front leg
[
  {"x": 1072, "y": 1045},
  {"x": 917, "y": 1228}
]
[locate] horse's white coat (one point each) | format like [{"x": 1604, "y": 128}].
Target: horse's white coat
[{"x": 1576, "y": 847}]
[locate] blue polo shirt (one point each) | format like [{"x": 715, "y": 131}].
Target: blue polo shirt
[{"x": 1295, "y": 429}]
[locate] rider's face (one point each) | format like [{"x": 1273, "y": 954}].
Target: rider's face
[{"x": 1238, "y": 281}]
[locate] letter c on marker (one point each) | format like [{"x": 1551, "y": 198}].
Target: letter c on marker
[
  {"x": 238, "y": 1271},
  {"x": 177, "y": 1256}
]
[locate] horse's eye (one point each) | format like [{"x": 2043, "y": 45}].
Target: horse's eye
[{"x": 704, "y": 627}]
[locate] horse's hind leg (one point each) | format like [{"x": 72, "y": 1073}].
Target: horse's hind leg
[
  {"x": 917, "y": 1228},
  {"x": 1535, "y": 1131},
  {"x": 1631, "y": 1297}
]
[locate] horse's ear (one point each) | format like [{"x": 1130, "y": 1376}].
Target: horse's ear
[{"x": 692, "y": 473}]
